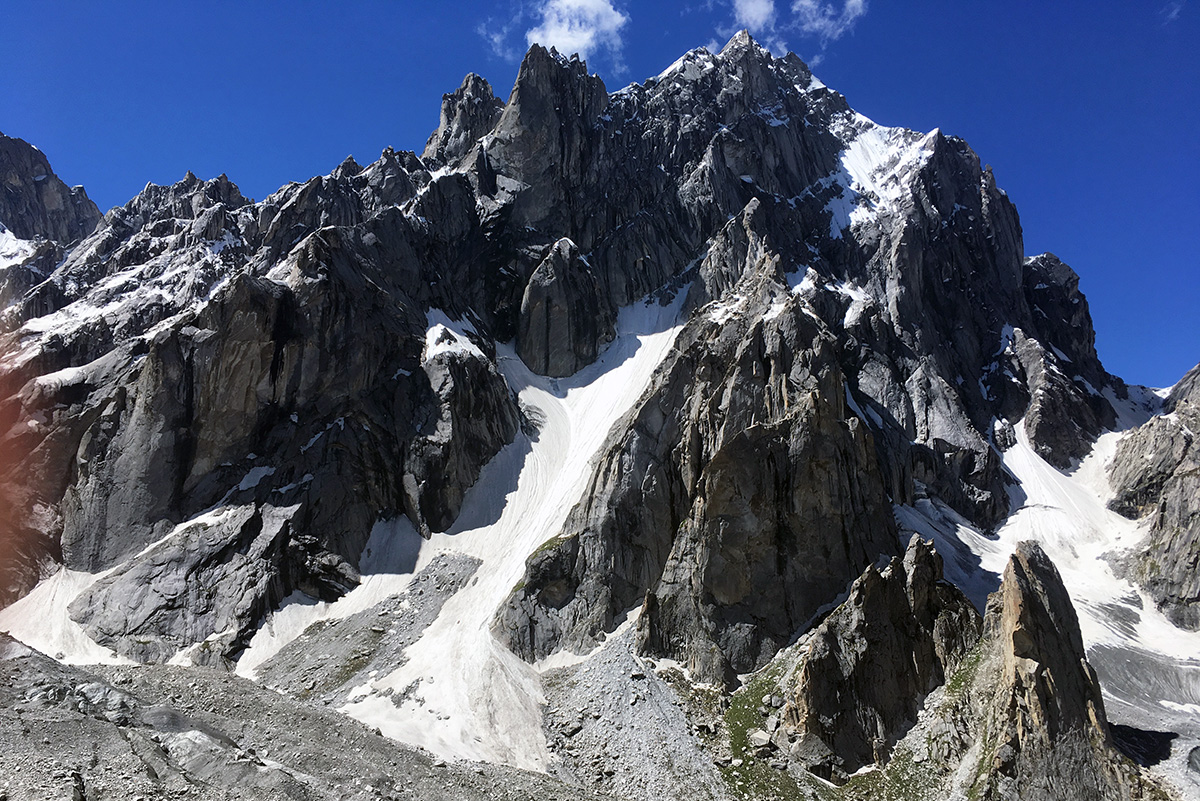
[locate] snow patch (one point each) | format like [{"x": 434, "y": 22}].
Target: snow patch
[
  {"x": 1066, "y": 514},
  {"x": 877, "y": 168},
  {"x": 40, "y": 620},
  {"x": 446, "y": 335},
  {"x": 13, "y": 250}
]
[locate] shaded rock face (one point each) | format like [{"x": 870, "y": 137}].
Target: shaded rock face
[
  {"x": 1066, "y": 411},
  {"x": 207, "y": 579},
  {"x": 476, "y": 416},
  {"x": 565, "y": 320},
  {"x": 1036, "y": 707},
  {"x": 212, "y": 374},
  {"x": 467, "y": 114},
  {"x": 1156, "y": 472},
  {"x": 870, "y": 664},
  {"x": 35, "y": 203}
]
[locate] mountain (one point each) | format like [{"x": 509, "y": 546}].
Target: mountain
[{"x": 702, "y": 438}]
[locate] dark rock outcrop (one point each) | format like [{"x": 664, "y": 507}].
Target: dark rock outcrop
[
  {"x": 467, "y": 114},
  {"x": 1156, "y": 472},
  {"x": 565, "y": 319},
  {"x": 35, "y": 203},
  {"x": 871, "y": 663},
  {"x": 1066, "y": 409},
  {"x": 1038, "y": 713}
]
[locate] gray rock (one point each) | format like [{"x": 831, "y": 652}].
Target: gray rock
[
  {"x": 1156, "y": 473},
  {"x": 467, "y": 114},
  {"x": 1037, "y": 707},
  {"x": 869, "y": 666},
  {"x": 565, "y": 319},
  {"x": 35, "y": 203},
  {"x": 209, "y": 577},
  {"x": 1066, "y": 411},
  {"x": 166, "y": 733},
  {"x": 706, "y": 502}
]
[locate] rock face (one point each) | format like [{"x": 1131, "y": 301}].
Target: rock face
[
  {"x": 1156, "y": 472},
  {"x": 737, "y": 501},
  {"x": 870, "y": 664},
  {"x": 1066, "y": 410},
  {"x": 565, "y": 320},
  {"x": 213, "y": 373},
  {"x": 35, "y": 203},
  {"x": 890, "y": 286},
  {"x": 467, "y": 114},
  {"x": 1040, "y": 721}
]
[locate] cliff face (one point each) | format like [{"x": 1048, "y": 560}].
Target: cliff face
[
  {"x": 1156, "y": 474},
  {"x": 35, "y": 203}
]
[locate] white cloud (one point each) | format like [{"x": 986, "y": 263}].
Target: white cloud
[
  {"x": 824, "y": 19},
  {"x": 757, "y": 15},
  {"x": 580, "y": 26}
]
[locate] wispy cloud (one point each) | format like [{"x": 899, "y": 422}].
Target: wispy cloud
[
  {"x": 761, "y": 18},
  {"x": 826, "y": 20},
  {"x": 1171, "y": 11},
  {"x": 586, "y": 27},
  {"x": 823, "y": 20}
]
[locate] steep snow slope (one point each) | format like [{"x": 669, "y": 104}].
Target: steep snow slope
[
  {"x": 12, "y": 250},
  {"x": 40, "y": 620},
  {"x": 489, "y": 699}
]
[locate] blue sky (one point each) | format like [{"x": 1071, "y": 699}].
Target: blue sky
[{"x": 1089, "y": 113}]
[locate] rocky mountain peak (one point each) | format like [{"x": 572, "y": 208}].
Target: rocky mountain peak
[
  {"x": 35, "y": 203},
  {"x": 743, "y": 43},
  {"x": 348, "y": 168},
  {"x": 1186, "y": 390},
  {"x": 1037, "y": 708},
  {"x": 187, "y": 199},
  {"x": 867, "y": 668},
  {"x": 467, "y": 114},
  {"x": 673, "y": 368},
  {"x": 1036, "y": 629},
  {"x": 565, "y": 319},
  {"x": 546, "y": 125}
]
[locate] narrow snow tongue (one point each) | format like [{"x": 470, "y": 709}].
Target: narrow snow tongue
[{"x": 1041, "y": 729}]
